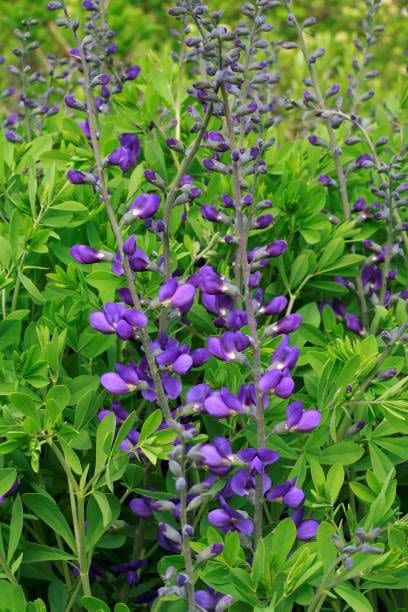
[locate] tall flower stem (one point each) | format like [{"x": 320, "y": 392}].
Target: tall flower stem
[
  {"x": 169, "y": 204},
  {"x": 341, "y": 177},
  {"x": 91, "y": 113},
  {"x": 320, "y": 101},
  {"x": 185, "y": 538},
  {"x": 246, "y": 273}
]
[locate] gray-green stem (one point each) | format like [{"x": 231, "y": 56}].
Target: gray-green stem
[{"x": 246, "y": 273}]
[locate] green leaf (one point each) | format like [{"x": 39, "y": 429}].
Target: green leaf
[
  {"x": 334, "y": 482},
  {"x": 8, "y": 477},
  {"x": 47, "y": 510},
  {"x": 16, "y": 528},
  {"x": 343, "y": 453},
  {"x": 356, "y": 600},
  {"x": 232, "y": 547},
  {"x": 35, "y": 294},
  {"x": 331, "y": 253},
  {"x": 279, "y": 543},
  {"x": 150, "y": 425},
  {"x": 92, "y": 604},
  {"x": 38, "y": 553},
  {"x": 104, "y": 438},
  {"x": 104, "y": 507},
  {"x": 325, "y": 546}
]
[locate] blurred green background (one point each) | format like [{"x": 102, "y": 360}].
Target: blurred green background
[{"x": 142, "y": 24}]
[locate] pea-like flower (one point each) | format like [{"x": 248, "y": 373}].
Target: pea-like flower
[
  {"x": 218, "y": 456},
  {"x": 223, "y": 404},
  {"x": 306, "y": 529},
  {"x": 228, "y": 519},
  {"x": 125, "y": 156},
  {"x": 229, "y": 346},
  {"x": 177, "y": 295},
  {"x": 144, "y": 206},
  {"x": 117, "y": 319},
  {"x": 287, "y": 493}
]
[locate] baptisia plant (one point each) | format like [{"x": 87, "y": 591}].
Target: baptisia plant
[
  {"x": 231, "y": 114},
  {"x": 199, "y": 423}
]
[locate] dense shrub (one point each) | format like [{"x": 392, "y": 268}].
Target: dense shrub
[{"x": 204, "y": 283}]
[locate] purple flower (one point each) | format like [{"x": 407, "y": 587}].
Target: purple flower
[
  {"x": 276, "y": 248},
  {"x": 364, "y": 161},
  {"x": 124, "y": 380},
  {"x": 287, "y": 494},
  {"x": 257, "y": 460},
  {"x": 222, "y": 404},
  {"x": 301, "y": 420},
  {"x": 353, "y": 323},
  {"x": 88, "y": 255},
  {"x": 327, "y": 181},
  {"x": 209, "y": 213},
  {"x": 196, "y": 396},
  {"x": 144, "y": 206},
  {"x": 263, "y": 221},
  {"x": 169, "y": 538},
  {"x": 77, "y": 177},
  {"x": 287, "y": 325},
  {"x": 130, "y": 569},
  {"x": 228, "y": 346},
  {"x": 117, "y": 319},
  {"x": 229, "y": 519},
  {"x": 275, "y": 306},
  {"x": 372, "y": 279},
  {"x": 218, "y": 456},
  {"x": 126, "y": 155},
  {"x": 306, "y": 529},
  {"x": 131, "y": 73},
  {"x": 10, "y": 492},
  {"x": 176, "y": 295}
]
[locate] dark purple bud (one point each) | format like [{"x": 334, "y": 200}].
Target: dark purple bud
[
  {"x": 131, "y": 73},
  {"x": 77, "y": 177},
  {"x": 327, "y": 181},
  {"x": 87, "y": 255}
]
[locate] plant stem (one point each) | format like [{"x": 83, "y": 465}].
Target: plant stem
[
  {"x": 332, "y": 138},
  {"x": 78, "y": 521},
  {"x": 256, "y": 346},
  {"x": 185, "y": 539},
  {"x": 168, "y": 206}
]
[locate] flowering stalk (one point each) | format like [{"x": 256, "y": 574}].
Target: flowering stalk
[
  {"x": 334, "y": 149},
  {"x": 91, "y": 114},
  {"x": 246, "y": 273}
]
